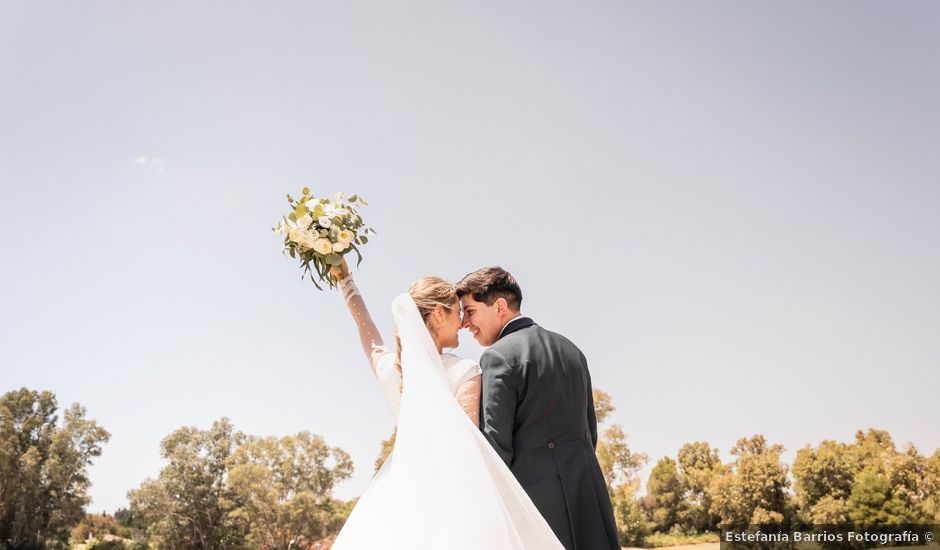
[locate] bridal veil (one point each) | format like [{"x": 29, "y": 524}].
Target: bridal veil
[{"x": 443, "y": 487}]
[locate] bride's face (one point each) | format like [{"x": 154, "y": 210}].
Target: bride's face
[{"x": 445, "y": 333}]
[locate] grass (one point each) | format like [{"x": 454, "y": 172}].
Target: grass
[{"x": 661, "y": 540}]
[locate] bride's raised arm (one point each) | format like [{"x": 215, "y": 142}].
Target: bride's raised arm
[{"x": 369, "y": 335}]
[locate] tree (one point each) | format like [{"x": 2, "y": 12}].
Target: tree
[
  {"x": 620, "y": 466},
  {"x": 186, "y": 506},
  {"x": 632, "y": 525},
  {"x": 872, "y": 450},
  {"x": 127, "y": 519},
  {"x": 618, "y": 463},
  {"x": 110, "y": 544},
  {"x": 823, "y": 480},
  {"x": 282, "y": 489},
  {"x": 827, "y": 477},
  {"x": 663, "y": 501},
  {"x": 908, "y": 473},
  {"x": 387, "y": 446},
  {"x": 872, "y": 502},
  {"x": 96, "y": 526},
  {"x": 754, "y": 489},
  {"x": 602, "y": 405},
  {"x": 224, "y": 490},
  {"x": 699, "y": 464},
  {"x": 932, "y": 505},
  {"x": 43, "y": 469}
]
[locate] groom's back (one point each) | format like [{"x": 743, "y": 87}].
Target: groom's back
[
  {"x": 554, "y": 402},
  {"x": 538, "y": 412}
]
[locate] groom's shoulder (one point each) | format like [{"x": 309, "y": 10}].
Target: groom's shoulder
[
  {"x": 533, "y": 343},
  {"x": 509, "y": 348},
  {"x": 541, "y": 337},
  {"x": 561, "y": 341},
  {"x": 528, "y": 338}
]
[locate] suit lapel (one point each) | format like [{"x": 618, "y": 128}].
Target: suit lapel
[{"x": 515, "y": 326}]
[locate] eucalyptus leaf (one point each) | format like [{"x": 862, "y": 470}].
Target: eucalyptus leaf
[
  {"x": 354, "y": 247},
  {"x": 314, "y": 281},
  {"x": 334, "y": 259}
]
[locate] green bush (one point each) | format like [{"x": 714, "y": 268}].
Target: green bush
[
  {"x": 632, "y": 525},
  {"x": 676, "y": 536}
]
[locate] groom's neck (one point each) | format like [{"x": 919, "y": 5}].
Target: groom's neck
[{"x": 513, "y": 317}]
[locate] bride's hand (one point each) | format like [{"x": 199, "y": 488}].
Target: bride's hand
[{"x": 340, "y": 273}]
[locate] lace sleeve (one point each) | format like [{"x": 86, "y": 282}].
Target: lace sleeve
[
  {"x": 468, "y": 396},
  {"x": 389, "y": 379},
  {"x": 369, "y": 336}
]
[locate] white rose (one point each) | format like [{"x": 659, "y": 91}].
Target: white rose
[
  {"x": 305, "y": 221},
  {"x": 339, "y": 247},
  {"x": 306, "y": 239},
  {"x": 345, "y": 236},
  {"x": 323, "y": 246},
  {"x": 340, "y": 212},
  {"x": 324, "y": 222},
  {"x": 294, "y": 233},
  {"x": 339, "y": 198}
]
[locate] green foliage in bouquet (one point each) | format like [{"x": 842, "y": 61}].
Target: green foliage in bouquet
[{"x": 319, "y": 232}]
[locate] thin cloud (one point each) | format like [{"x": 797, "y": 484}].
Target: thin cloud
[{"x": 156, "y": 163}]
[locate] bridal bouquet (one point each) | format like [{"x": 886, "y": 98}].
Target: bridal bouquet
[{"x": 321, "y": 231}]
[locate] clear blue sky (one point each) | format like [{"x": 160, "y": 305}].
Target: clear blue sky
[{"x": 731, "y": 207}]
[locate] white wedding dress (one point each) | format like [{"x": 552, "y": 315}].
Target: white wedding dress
[
  {"x": 443, "y": 487},
  {"x": 457, "y": 371}
]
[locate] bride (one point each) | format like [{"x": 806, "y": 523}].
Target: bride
[{"x": 443, "y": 486}]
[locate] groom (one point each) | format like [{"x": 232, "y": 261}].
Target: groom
[{"x": 537, "y": 410}]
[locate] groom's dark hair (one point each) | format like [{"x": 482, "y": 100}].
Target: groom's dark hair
[{"x": 490, "y": 283}]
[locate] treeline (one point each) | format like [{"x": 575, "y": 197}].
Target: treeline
[
  {"x": 43, "y": 469},
  {"x": 222, "y": 489},
  {"x": 867, "y": 482}
]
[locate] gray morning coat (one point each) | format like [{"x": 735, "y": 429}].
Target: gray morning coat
[{"x": 537, "y": 410}]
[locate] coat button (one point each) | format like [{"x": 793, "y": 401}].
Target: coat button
[{"x": 551, "y": 444}]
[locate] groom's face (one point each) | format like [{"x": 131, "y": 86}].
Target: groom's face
[{"x": 484, "y": 322}]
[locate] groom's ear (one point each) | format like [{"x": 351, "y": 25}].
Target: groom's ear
[{"x": 502, "y": 306}]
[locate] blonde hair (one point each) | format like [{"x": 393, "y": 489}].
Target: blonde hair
[{"x": 428, "y": 293}]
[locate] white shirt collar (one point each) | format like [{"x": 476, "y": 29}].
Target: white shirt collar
[{"x": 507, "y": 324}]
